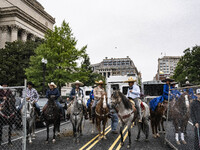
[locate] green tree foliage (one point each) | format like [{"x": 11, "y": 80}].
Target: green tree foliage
[
  {"x": 59, "y": 48},
  {"x": 189, "y": 65},
  {"x": 14, "y": 60}
]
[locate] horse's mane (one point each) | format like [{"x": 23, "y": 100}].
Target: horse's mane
[
  {"x": 180, "y": 103},
  {"x": 126, "y": 102}
]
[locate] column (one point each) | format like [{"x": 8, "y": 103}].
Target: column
[
  {"x": 24, "y": 35},
  {"x": 14, "y": 33},
  {"x": 4, "y": 36}
]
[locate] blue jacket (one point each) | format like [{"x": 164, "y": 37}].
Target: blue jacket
[
  {"x": 165, "y": 91},
  {"x": 91, "y": 95},
  {"x": 175, "y": 93},
  {"x": 55, "y": 92},
  {"x": 191, "y": 93},
  {"x": 73, "y": 93}
]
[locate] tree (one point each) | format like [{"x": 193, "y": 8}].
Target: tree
[
  {"x": 189, "y": 65},
  {"x": 59, "y": 48},
  {"x": 14, "y": 60}
]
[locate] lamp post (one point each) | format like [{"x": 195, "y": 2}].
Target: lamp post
[{"x": 44, "y": 61}]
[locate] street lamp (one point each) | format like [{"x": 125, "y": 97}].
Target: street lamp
[{"x": 44, "y": 61}]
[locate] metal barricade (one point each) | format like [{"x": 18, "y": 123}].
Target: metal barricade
[
  {"x": 180, "y": 133},
  {"x": 13, "y": 121}
]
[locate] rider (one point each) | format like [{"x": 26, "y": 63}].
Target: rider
[
  {"x": 189, "y": 89},
  {"x": 175, "y": 93},
  {"x": 134, "y": 94},
  {"x": 73, "y": 93},
  {"x": 98, "y": 92},
  {"x": 32, "y": 95},
  {"x": 91, "y": 97},
  {"x": 53, "y": 92}
]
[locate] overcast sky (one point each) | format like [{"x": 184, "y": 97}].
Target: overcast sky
[{"x": 140, "y": 29}]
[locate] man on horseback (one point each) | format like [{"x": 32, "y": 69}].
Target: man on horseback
[
  {"x": 134, "y": 94},
  {"x": 98, "y": 92},
  {"x": 74, "y": 91},
  {"x": 189, "y": 90},
  {"x": 32, "y": 95},
  {"x": 54, "y": 93}
]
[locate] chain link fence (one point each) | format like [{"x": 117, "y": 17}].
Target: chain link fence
[
  {"x": 180, "y": 131},
  {"x": 12, "y": 120}
]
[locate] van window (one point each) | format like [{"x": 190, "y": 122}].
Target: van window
[
  {"x": 125, "y": 90},
  {"x": 87, "y": 92}
]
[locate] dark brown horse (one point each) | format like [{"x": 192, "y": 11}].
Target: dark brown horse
[
  {"x": 179, "y": 113},
  {"x": 156, "y": 118},
  {"x": 101, "y": 115},
  {"x": 89, "y": 109},
  {"x": 7, "y": 116},
  {"x": 51, "y": 115}
]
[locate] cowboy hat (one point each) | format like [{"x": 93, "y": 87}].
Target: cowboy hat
[
  {"x": 168, "y": 79},
  {"x": 53, "y": 84},
  {"x": 174, "y": 83},
  {"x": 30, "y": 83},
  {"x": 187, "y": 83},
  {"x": 78, "y": 82},
  {"x": 130, "y": 79},
  {"x": 99, "y": 82}
]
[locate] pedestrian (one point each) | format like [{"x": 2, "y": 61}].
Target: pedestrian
[
  {"x": 6, "y": 93},
  {"x": 114, "y": 121},
  {"x": 134, "y": 94},
  {"x": 53, "y": 92},
  {"x": 32, "y": 95},
  {"x": 195, "y": 116}
]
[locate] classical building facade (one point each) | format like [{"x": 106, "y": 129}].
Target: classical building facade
[
  {"x": 116, "y": 67},
  {"x": 23, "y": 20},
  {"x": 166, "y": 66}
]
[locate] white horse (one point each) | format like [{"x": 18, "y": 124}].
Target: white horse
[{"x": 30, "y": 119}]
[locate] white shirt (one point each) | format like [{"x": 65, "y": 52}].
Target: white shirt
[
  {"x": 135, "y": 92},
  {"x": 32, "y": 94}
]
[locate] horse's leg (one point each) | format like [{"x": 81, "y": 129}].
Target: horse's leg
[
  {"x": 104, "y": 126},
  {"x": 9, "y": 133},
  {"x": 183, "y": 127},
  {"x": 157, "y": 126},
  {"x": 139, "y": 129},
  {"x": 122, "y": 138},
  {"x": 54, "y": 131},
  {"x": 81, "y": 127},
  {"x": 98, "y": 125},
  {"x": 146, "y": 129},
  {"x": 129, "y": 135},
  {"x": 1, "y": 126},
  {"x": 47, "y": 125},
  {"x": 175, "y": 123},
  {"x": 163, "y": 128},
  {"x": 93, "y": 126}
]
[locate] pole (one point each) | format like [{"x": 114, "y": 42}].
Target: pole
[
  {"x": 167, "y": 120},
  {"x": 24, "y": 118},
  {"x": 44, "y": 71}
]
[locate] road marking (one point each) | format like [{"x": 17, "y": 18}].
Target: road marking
[
  {"x": 97, "y": 140},
  {"x": 35, "y": 132},
  {"x": 119, "y": 146},
  {"x": 93, "y": 139},
  {"x": 115, "y": 142}
]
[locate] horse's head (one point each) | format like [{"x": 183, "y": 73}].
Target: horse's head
[
  {"x": 79, "y": 98},
  {"x": 30, "y": 110},
  {"x": 115, "y": 99}
]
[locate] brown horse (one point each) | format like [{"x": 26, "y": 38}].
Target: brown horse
[
  {"x": 101, "y": 115},
  {"x": 179, "y": 113},
  {"x": 89, "y": 109},
  {"x": 156, "y": 118}
]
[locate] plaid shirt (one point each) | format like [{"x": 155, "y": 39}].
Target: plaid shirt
[
  {"x": 7, "y": 94},
  {"x": 32, "y": 94}
]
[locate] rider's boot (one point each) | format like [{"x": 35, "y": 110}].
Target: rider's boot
[{"x": 85, "y": 112}]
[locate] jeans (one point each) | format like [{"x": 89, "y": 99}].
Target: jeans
[
  {"x": 114, "y": 122},
  {"x": 21, "y": 105},
  {"x": 138, "y": 108},
  {"x": 59, "y": 106},
  {"x": 196, "y": 139}
]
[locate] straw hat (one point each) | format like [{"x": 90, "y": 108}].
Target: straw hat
[
  {"x": 130, "y": 79},
  {"x": 53, "y": 84},
  {"x": 78, "y": 82},
  {"x": 99, "y": 82},
  {"x": 174, "y": 83},
  {"x": 168, "y": 79}
]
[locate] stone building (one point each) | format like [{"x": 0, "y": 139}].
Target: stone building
[
  {"x": 166, "y": 66},
  {"x": 23, "y": 20},
  {"x": 116, "y": 67}
]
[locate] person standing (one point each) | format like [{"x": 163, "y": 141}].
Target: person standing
[
  {"x": 195, "y": 116},
  {"x": 6, "y": 93},
  {"x": 134, "y": 94}
]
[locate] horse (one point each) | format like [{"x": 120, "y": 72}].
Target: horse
[
  {"x": 144, "y": 125},
  {"x": 76, "y": 116},
  {"x": 156, "y": 118},
  {"x": 30, "y": 119},
  {"x": 51, "y": 115},
  {"x": 126, "y": 111},
  {"x": 7, "y": 117},
  {"x": 179, "y": 113},
  {"x": 101, "y": 115},
  {"x": 89, "y": 109}
]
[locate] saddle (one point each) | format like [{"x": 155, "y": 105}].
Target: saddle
[{"x": 141, "y": 105}]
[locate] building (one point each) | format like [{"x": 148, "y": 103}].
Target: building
[
  {"x": 23, "y": 20},
  {"x": 166, "y": 66},
  {"x": 115, "y": 67}
]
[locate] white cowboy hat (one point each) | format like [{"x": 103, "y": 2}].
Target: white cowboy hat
[
  {"x": 130, "y": 79},
  {"x": 198, "y": 91},
  {"x": 99, "y": 82},
  {"x": 187, "y": 83},
  {"x": 78, "y": 82},
  {"x": 168, "y": 79},
  {"x": 53, "y": 84}
]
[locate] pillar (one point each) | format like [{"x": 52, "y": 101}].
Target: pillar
[
  {"x": 24, "y": 35},
  {"x": 14, "y": 33},
  {"x": 4, "y": 36}
]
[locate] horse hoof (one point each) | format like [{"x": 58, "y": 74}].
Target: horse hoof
[
  {"x": 184, "y": 142},
  {"x": 99, "y": 138},
  {"x": 46, "y": 142},
  {"x": 58, "y": 134},
  {"x": 146, "y": 140},
  {"x": 54, "y": 140},
  {"x": 158, "y": 135},
  {"x": 122, "y": 144},
  {"x": 30, "y": 142},
  {"x": 10, "y": 144},
  {"x": 128, "y": 146},
  {"x": 155, "y": 136},
  {"x": 178, "y": 143},
  {"x": 137, "y": 140},
  {"x": 77, "y": 141},
  {"x": 92, "y": 132},
  {"x": 104, "y": 137}
]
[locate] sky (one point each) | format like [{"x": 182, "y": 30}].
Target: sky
[{"x": 140, "y": 29}]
